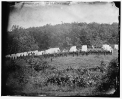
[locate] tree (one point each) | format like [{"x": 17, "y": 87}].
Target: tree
[
  {"x": 62, "y": 35},
  {"x": 97, "y": 42},
  {"x": 78, "y": 42}
]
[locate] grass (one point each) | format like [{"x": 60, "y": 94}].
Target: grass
[
  {"x": 70, "y": 68},
  {"x": 79, "y": 61}
]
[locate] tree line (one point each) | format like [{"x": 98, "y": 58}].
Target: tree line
[{"x": 62, "y": 35}]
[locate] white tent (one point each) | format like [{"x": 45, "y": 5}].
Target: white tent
[
  {"x": 13, "y": 56},
  {"x": 73, "y": 49},
  {"x": 107, "y": 47},
  {"x": 19, "y": 54},
  {"x": 40, "y": 53},
  {"x": 25, "y": 53},
  {"x": 84, "y": 48},
  {"x": 116, "y": 46},
  {"x": 52, "y": 51},
  {"x": 8, "y": 56},
  {"x": 35, "y": 52}
]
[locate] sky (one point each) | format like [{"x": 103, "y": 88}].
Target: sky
[{"x": 41, "y": 13}]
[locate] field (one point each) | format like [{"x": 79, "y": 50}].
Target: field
[
  {"x": 63, "y": 76},
  {"x": 80, "y": 61}
]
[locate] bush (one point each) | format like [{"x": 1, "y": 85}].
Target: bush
[
  {"x": 103, "y": 67},
  {"x": 113, "y": 69},
  {"x": 38, "y": 64},
  {"x": 111, "y": 79},
  {"x": 69, "y": 77},
  {"x": 113, "y": 73}
]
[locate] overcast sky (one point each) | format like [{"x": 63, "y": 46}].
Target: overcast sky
[{"x": 39, "y": 14}]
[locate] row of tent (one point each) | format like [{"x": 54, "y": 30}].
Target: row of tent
[{"x": 84, "y": 48}]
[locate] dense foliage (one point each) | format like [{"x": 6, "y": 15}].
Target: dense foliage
[{"x": 61, "y": 35}]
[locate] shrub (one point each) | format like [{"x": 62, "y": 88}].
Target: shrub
[
  {"x": 69, "y": 78},
  {"x": 113, "y": 69},
  {"x": 111, "y": 79},
  {"x": 38, "y": 64},
  {"x": 103, "y": 66}
]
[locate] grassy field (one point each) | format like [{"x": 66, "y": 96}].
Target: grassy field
[
  {"x": 81, "y": 61},
  {"x": 63, "y": 76}
]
